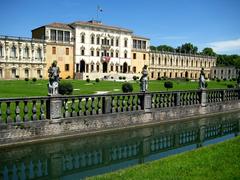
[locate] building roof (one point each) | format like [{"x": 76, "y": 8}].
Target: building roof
[
  {"x": 140, "y": 37},
  {"x": 99, "y": 24},
  {"x": 56, "y": 25}
]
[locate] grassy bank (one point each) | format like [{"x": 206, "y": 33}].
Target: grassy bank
[
  {"x": 219, "y": 161},
  {"x": 21, "y": 88}
]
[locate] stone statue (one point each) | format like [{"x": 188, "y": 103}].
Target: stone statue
[
  {"x": 202, "y": 83},
  {"x": 144, "y": 80},
  {"x": 53, "y": 74}
]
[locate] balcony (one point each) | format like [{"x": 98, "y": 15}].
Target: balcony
[{"x": 105, "y": 46}]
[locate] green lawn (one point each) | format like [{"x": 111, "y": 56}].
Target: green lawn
[
  {"x": 219, "y": 161},
  {"x": 21, "y": 88}
]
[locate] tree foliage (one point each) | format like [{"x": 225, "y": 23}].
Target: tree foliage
[
  {"x": 187, "y": 48},
  {"x": 127, "y": 87},
  {"x": 208, "y": 51}
]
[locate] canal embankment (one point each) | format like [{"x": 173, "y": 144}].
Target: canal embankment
[{"x": 218, "y": 161}]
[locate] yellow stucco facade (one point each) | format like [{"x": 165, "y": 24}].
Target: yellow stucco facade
[{"x": 63, "y": 54}]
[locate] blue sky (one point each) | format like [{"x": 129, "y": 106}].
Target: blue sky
[{"x": 205, "y": 23}]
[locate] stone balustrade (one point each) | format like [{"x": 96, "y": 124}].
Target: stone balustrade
[{"x": 20, "y": 110}]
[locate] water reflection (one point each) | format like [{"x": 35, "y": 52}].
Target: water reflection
[{"x": 86, "y": 156}]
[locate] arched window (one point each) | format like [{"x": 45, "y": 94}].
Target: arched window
[
  {"x": 177, "y": 62},
  {"x": 26, "y": 52},
  {"x": 82, "y": 38},
  {"x": 165, "y": 61},
  {"x": 38, "y": 53},
  {"x": 92, "y": 39},
  {"x": 171, "y": 62},
  {"x": 13, "y": 52}
]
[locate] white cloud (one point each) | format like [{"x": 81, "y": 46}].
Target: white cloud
[{"x": 228, "y": 46}]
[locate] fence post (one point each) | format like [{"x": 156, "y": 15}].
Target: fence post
[
  {"x": 203, "y": 97},
  {"x": 106, "y": 104},
  {"x": 54, "y": 108},
  {"x": 177, "y": 98},
  {"x": 146, "y": 101}
]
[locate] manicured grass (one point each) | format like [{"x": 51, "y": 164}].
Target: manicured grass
[
  {"x": 21, "y": 88},
  {"x": 219, "y": 161}
]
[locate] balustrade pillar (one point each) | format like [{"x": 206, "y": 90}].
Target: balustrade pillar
[
  {"x": 146, "y": 102},
  {"x": 106, "y": 104},
  {"x": 145, "y": 149},
  {"x": 177, "y": 99},
  {"x": 203, "y": 98},
  {"x": 54, "y": 109}
]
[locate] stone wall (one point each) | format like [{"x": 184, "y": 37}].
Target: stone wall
[{"x": 71, "y": 126}]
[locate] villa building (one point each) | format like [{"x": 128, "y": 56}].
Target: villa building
[
  {"x": 59, "y": 47},
  {"x": 22, "y": 58},
  {"x": 179, "y": 65},
  {"x": 94, "y": 50},
  {"x": 223, "y": 72}
]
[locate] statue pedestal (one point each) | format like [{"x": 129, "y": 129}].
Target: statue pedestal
[{"x": 54, "y": 109}]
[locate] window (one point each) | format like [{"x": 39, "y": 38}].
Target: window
[
  {"x": 13, "y": 52},
  {"x": 53, "y": 35},
  {"x": 92, "y": 68},
  {"x": 112, "y": 42},
  {"x": 26, "y": 73},
  {"x": 82, "y": 38},
  {"x": 152, "y": 74},
  {"x": 98, "y": 53},
  {"x": 97, "y": 68},
  {"x": 26, "y": 52},
  {"x": 134, "y": 44},
  {"x": 66, "y": 36},
  {"x": 117, "y": 42},
  {"x": 60, "y": 35},
  {"x": 1, "y": 73},
  {"x": 117, "y": 54},
  {"x": 92, "y": 52},
  {"x": 66, "y": 67},
  {"x": 134, "y": 55},
  {"x": 92, "y": 39},
  {"x": 53, "y": 50},
  {"x": 112, "y": 54},
  {"x": 1, "y": 51},
  {"x": 14, "y": 73},
  {"x": 125, "y": 42},
  {"x": 116, "y": 68},
  {"x": 111, "y": 68},
  {"x": 67, "y": 51},
  {"x": 165, "y": 61},
  {"x": 144, "y": 56},
  {"x": 98, "y": 40},
  {"x": 134, "y": 69},
  {"x": 125, "y": 55},
  {"x": 39, "y": 73},
  {"x": 82, "y": 52},
  {"x": 38, "y": 54}
]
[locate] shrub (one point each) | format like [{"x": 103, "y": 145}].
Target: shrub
[
  {"x": 168, "y": 85},
  {"x": 88, "y": 80},
  {"x": 230, "y": 86},
  {"x": 40, "y": 76},
  {"x": 159, "y": 78},
  {"x": 34, "y": 79},
  {"x": 206, "y": 84},
  {"x": 218, "y": 80},
  {"x": 124, "y": 77},
  {"x": 134, "y": 78},
  {"x": 234, "y": 79},
  {"x": 120, "y": 77},
  {"x": 224, "y": 79},
  {"x": 187, "y": 79},
  {"x": 97, "y": 80},
  {"x": 17, "y": 76},
  {"x": 65, "y": 88},
  {"x": 26, "y": 79},
  {"x": 127, "y": 87},
  {"x": 68, "y": 77},
  {"x": 137, "y": 77}
]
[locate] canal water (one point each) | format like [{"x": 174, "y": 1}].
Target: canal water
[{"x": 85, "y": 156}]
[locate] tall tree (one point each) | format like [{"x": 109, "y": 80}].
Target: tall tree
[
  {"x": 153, "y": 48},
  {"x": 208, "y": 51},
  {"x": 187, "y": 48}
]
